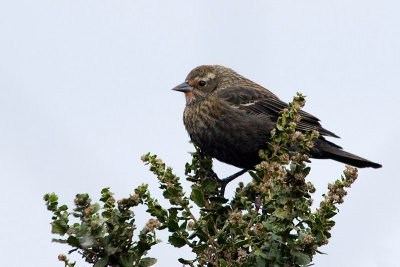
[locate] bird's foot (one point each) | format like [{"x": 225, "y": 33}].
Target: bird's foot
[{"x": 224, "y": 182}]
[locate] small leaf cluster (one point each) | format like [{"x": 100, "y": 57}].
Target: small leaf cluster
[{"x": 103, "y": 234}]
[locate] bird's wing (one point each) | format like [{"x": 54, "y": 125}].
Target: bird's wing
[{"x": 258, "y": 101}]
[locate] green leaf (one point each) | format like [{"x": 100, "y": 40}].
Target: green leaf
[
  {"x": 59, "y": 227},
  {"x": 200, "y": 248},
  {"x": 106, "y": 214},
  {"x": 209, "y": 186},
  {"x": 183, "y": 226},
  {"x": 301, "y": 258},
  {"x": 281, "y": 213},
  {"x": 176, "y": 241},
  {"x": 261, "y": 261},
  {"x": 198, "y": 197},
  {"x": 126, "y": 260},
  {"x": 61, "y": 241},
  {"x": 110, "y": 250},
  {"x": 306, "y": 171},
  {"x": 96, "y": 207},
  {"x": 101, "y": 262},
  {"x": 172, "y": 225},
  {"x": 53, "y": 197},
  {"x": 63, "y": 208},
  {"x": 73, "y": 241},
  {"x": 145, "y": 262},
  {"x": 327, "y": 234},
  {"x": 223, "y": 263},
  {"x": 143, "y": 246},
  {"x": 86, "y": 241},
  {"x": 183, "y": 261},
  {"x": 283, "y": 120},
  {"x": 259, "y": 253},
  {"x": 200, "y": 234},
  {"x": 171, "y": 192},
  {"x": 255, "y": 177},
  {"x": 241, "y": 243},
  {"x": 320, "y": 237},
  {"x": 218, "y": 200}
]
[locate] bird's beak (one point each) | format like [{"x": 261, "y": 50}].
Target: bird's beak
[{"x": 183, "y": 87}]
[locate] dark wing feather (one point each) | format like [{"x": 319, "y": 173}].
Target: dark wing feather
[{"x": 259, "y": 101}]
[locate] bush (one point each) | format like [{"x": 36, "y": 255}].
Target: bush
[{"x": 268, "y": 222}]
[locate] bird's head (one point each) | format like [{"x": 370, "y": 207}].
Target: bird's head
[{"x": 205, "y": 79}]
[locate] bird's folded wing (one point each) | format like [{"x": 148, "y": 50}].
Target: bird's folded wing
[{"x": 258, "y": 101}]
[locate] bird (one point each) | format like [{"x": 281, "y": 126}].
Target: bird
[{"x": 229, "y": 117}]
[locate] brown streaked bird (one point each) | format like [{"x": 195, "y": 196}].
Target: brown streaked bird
[{"x": 229, "y": 118}]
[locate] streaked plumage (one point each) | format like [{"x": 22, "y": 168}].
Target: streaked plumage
[{"x": 230, "y": 117}]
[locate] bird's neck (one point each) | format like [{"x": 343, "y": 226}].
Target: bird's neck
[{"x": 194, "y": 97}]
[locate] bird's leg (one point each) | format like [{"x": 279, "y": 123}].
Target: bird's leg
[{"x": 228, "y": 179}]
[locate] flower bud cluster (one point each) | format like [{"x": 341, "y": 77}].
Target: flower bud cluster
[
  {"x": 236, "y": 218},
  {"x": 88, "y": 211},
  {"x": 62, "y": 257},
  {"x": 296, "y": 118},
  {"x": 259, "y": 229},
  {"x": 299, "y": 101},
  {"x": 277, "y": 170},
  {"x": 336, "y": 191},
  {"x": 266, "y": 186},
  {"x": 351, "y": 175},
  {"x": 297, "y": 157},
  {"x": 242, "y": 255},
  {"x": 284, "y": 158},
  {"x": 295, "y": 138},
  {"x": 309, "y": 239},
  {"x": 135, "y": 198},
  {"x": 190, "y": 225},
  {"x": 152, "y": 224}
]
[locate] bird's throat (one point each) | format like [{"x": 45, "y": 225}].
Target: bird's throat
[{"x": 189, "y": 97}]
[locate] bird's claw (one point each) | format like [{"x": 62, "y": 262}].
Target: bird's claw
[{"x": 224, "y": 182}]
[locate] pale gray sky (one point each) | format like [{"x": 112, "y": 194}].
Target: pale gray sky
[{"x": 85, "y": 91}]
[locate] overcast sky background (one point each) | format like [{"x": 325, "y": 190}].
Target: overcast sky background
[{"x": 85, "y": 91}]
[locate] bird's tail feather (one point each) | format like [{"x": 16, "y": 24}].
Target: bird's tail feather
[
  {"x": 348, "y": 158},
  {"x": 323, "y": 149}
]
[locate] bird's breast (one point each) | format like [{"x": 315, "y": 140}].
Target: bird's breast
[{"x": 228, "y": 134}]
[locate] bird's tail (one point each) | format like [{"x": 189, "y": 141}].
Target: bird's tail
[
  {"x": 351, "y": 159},
  {"x": 328, "y": 150}
]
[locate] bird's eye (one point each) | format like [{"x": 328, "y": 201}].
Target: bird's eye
[{"x": 202, "y": 83}]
